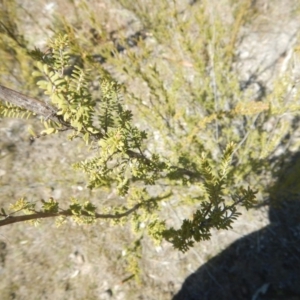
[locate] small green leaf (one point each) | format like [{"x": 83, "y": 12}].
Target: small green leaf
[{"x": 49, "y": 130}]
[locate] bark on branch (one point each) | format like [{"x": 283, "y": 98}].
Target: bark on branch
[
  {"x": 31, "y": 104},
  {"x": 9, "y": 219}
]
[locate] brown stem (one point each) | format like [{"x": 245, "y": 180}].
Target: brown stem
[
  {"x": 9, "y": 219},
  {"x": 31, "y": 104},
  {"x": 49, "y": 112},
  {"x": 67, "y": 213}
]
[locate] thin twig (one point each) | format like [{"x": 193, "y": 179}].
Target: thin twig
[
  {"x": 9, "y": 219},
  {"x": 67, "y": 213}
]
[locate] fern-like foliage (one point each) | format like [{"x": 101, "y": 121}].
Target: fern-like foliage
[
  {"x": 215, "y": 210},
  {"x": 160, "y": 142},
  {"x": 120, "y": 160},
  {"x": 12, "y": 111},
  {"x": 110, "y": 108}
]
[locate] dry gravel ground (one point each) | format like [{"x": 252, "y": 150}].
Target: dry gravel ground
[{"x": 258, "y": 259}]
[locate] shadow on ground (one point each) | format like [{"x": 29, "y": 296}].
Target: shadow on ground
[{"x": 264, "y": 265}]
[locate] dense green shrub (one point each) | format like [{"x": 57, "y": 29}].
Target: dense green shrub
[{"x": 163, "y": 116}]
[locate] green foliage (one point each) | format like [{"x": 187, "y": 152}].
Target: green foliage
[
  {"x": 69, "y": 94},
  {"x": 83, "y": 213},
  {"x": 165, "y": 123},
  {"x": 22, "y": 205},
  {"x": 50, "y": 206},
  {"x": 11, "y": 111},
  {"x": 215, "y": 211},
  {"x": 132, "y": 255},
  {"x": 121, "y": 161}
]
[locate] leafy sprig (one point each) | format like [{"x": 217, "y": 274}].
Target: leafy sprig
[{"x": 120, "y": 161}]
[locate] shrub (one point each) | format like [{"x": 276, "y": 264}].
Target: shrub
[{"x": 164, "y": 118}]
